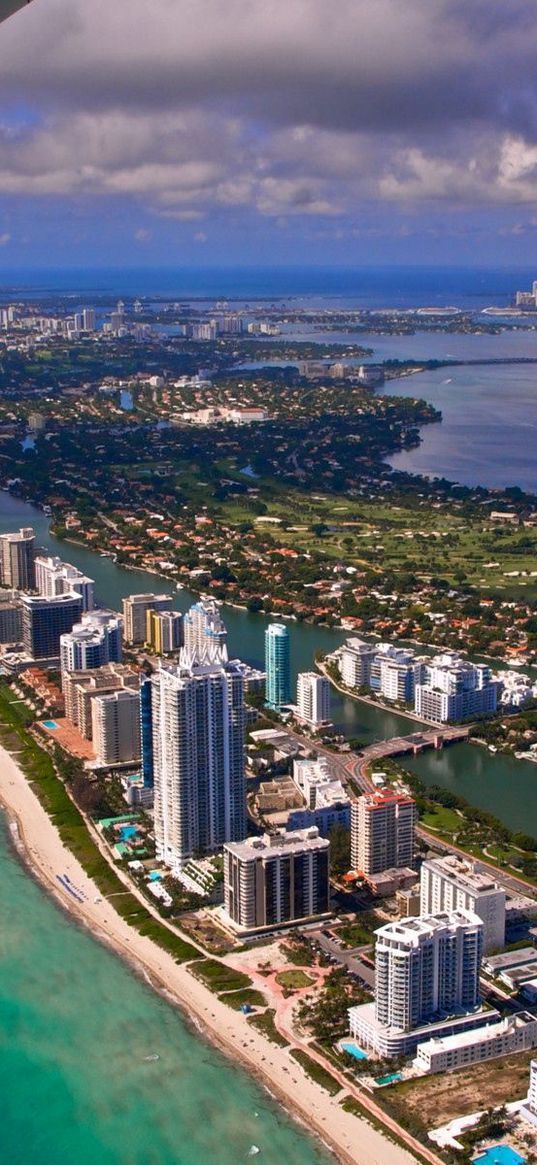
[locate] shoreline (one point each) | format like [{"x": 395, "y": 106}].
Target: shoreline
[{"x": 353, "y": 1140}]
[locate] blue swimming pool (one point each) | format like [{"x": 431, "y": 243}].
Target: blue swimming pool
[
  {"x": 50, "y": 724},
  {"x": 155, "y": 876},
  {"x": 353, "y": 1050},
  {"x": 500, "y": 1155},
  {"x": 127, "y": 832},
  {"x": 390, "y": 1079}
]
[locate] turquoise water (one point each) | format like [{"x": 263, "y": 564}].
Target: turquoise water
[
  {"x": 354, "y": 1050},
  {"x": 390, "y": 1079},
  {"x": 75, "y": 1028},
  {"x": 500, "y": 1155},
  {"x": 49, "y": 724}
]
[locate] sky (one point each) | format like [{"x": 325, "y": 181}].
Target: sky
[{"x": 275, "y": 132}]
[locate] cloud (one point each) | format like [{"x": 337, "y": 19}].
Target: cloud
[
  {"x": 190, "y": 108},
  {"x": 5, "y": 238}
]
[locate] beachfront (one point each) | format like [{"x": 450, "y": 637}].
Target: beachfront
[{"x": 355, "y": 1141}]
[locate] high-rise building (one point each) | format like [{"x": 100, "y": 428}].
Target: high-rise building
[
  {"x": 146, "y": 731},
  {"x": 80, "y": 688},
  {"x": 135, "y": 608},
  {"x": 453, "y": 883},
  {"x": 454, "y": 689},
  {"x": 276, "y": 879},
  {"x": 93, "y": 642},
  {"x": 45, "y": 620},
  {"x": 383, "y": 828},
  {"x": 313, "y": 698},
  {"x": 199, "y": 758},
  {"x": 426, "y": 983},
  {"x": 88, "y": 319},
  {"x": 116, "y": 727},
  {"x": 17, "y": 554},
  {"x": 426, "y": 968},
  {"x": 10, "y": 617},
  {"x": 164, "y": 631},
  {"x": 277, "y": 666},
  {"x": 355, "y": 662},
  {"x": 55, "y": 577},
  {"x": 204, "y": 632}
]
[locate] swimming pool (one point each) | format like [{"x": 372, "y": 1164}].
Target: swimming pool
[
  {"x": 155, "y": 876},
  {"x": 354, "y": 1050},
  {"x": 500, "y": 1155},
  {"x": 127, "y": 832},
  {"x": 390, "y": 1079},
  {"x": 50, "y": 724}
]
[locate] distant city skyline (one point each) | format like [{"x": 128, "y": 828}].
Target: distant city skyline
[{"x": 182, "y": 133}]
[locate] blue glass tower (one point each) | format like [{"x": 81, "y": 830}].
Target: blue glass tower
[
  {"x": 277, "y": 666},
  {"x": 146, "y": 730}
]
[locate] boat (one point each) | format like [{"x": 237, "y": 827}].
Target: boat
[
  {"x": 254, "y": 1151},
  {"x": 150, "y": 1059}
]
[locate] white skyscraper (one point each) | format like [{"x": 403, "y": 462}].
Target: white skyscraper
[
  {"x": 313, "y": 698},
  {"x": 204, "y": 633},
  {"x": 198, "y": 755},
  {"x": 55, "y": 577},
  {"x": 426, "y": 982},
  {"x": 453, "y": 883},
  {"x": 116, "y": 727}
]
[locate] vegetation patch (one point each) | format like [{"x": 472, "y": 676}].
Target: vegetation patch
[
  {"x": 265, "y": 1024},
  {"x": 316, "y": 1071},
  {"x": 218, "y": 977},
  {"x": 238, "y": 999},
  {"x": 293, "y": 980}
]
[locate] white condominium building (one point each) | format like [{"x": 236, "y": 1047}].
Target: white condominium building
[
  {"x": 95, "y": 641},
  {"x": 313, "y": 698},
  {"x": 453, "y": 883},
  {"x": 383, "y": 828},
  {"x": 276, "y": 879},
  {"x": 204, "y": 632},
  {"x": 55, "y": 577},
  {"x": 116, "y": 727},
  {"x": 199, "y": 758},
  {"x": 355, "y": 662},
  {"x": 426, "y": 968},
  {"x": 454, "y": 689}
]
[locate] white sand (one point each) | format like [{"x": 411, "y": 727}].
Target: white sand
[{"x": 354, "y": 1140}]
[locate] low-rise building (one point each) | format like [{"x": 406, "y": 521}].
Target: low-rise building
[{"x": 513, "y": 1033}]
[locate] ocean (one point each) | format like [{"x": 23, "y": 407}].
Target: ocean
[
  {"x": 377, "y": 287},
  {"x": 76, "y": 1027}
]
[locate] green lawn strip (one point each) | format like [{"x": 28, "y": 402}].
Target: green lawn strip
[
  {"x": 316, "y": 1071},
  {"x": 294, "y": 979},
  {"x": 358, "y": 934},
  {"x": 265, "y": 1024},
  {"x": 219, "y": 977},
  {"x": 237, "y": 999},
  {"x": 350, "y": 1104}
]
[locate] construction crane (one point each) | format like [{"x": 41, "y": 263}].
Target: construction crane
[{"x": 8, "y": 7}]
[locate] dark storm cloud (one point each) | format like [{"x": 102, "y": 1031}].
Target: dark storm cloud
[{"x": 291, "y": 106}]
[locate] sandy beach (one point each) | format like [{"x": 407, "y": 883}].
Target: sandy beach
[{"x": 355, "y": 1141}]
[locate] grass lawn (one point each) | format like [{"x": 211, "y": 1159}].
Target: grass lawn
[
  {"x": 294, "y": 979},
  {"x": 236, "y": 999},
  {"x": 265, "y": 1024},
  {"x": 360, "y": 933},
  {"x": 442, "y": 820},
  {"x": 316, "y": 1071},
  {"x": 218, "y": 977}
]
